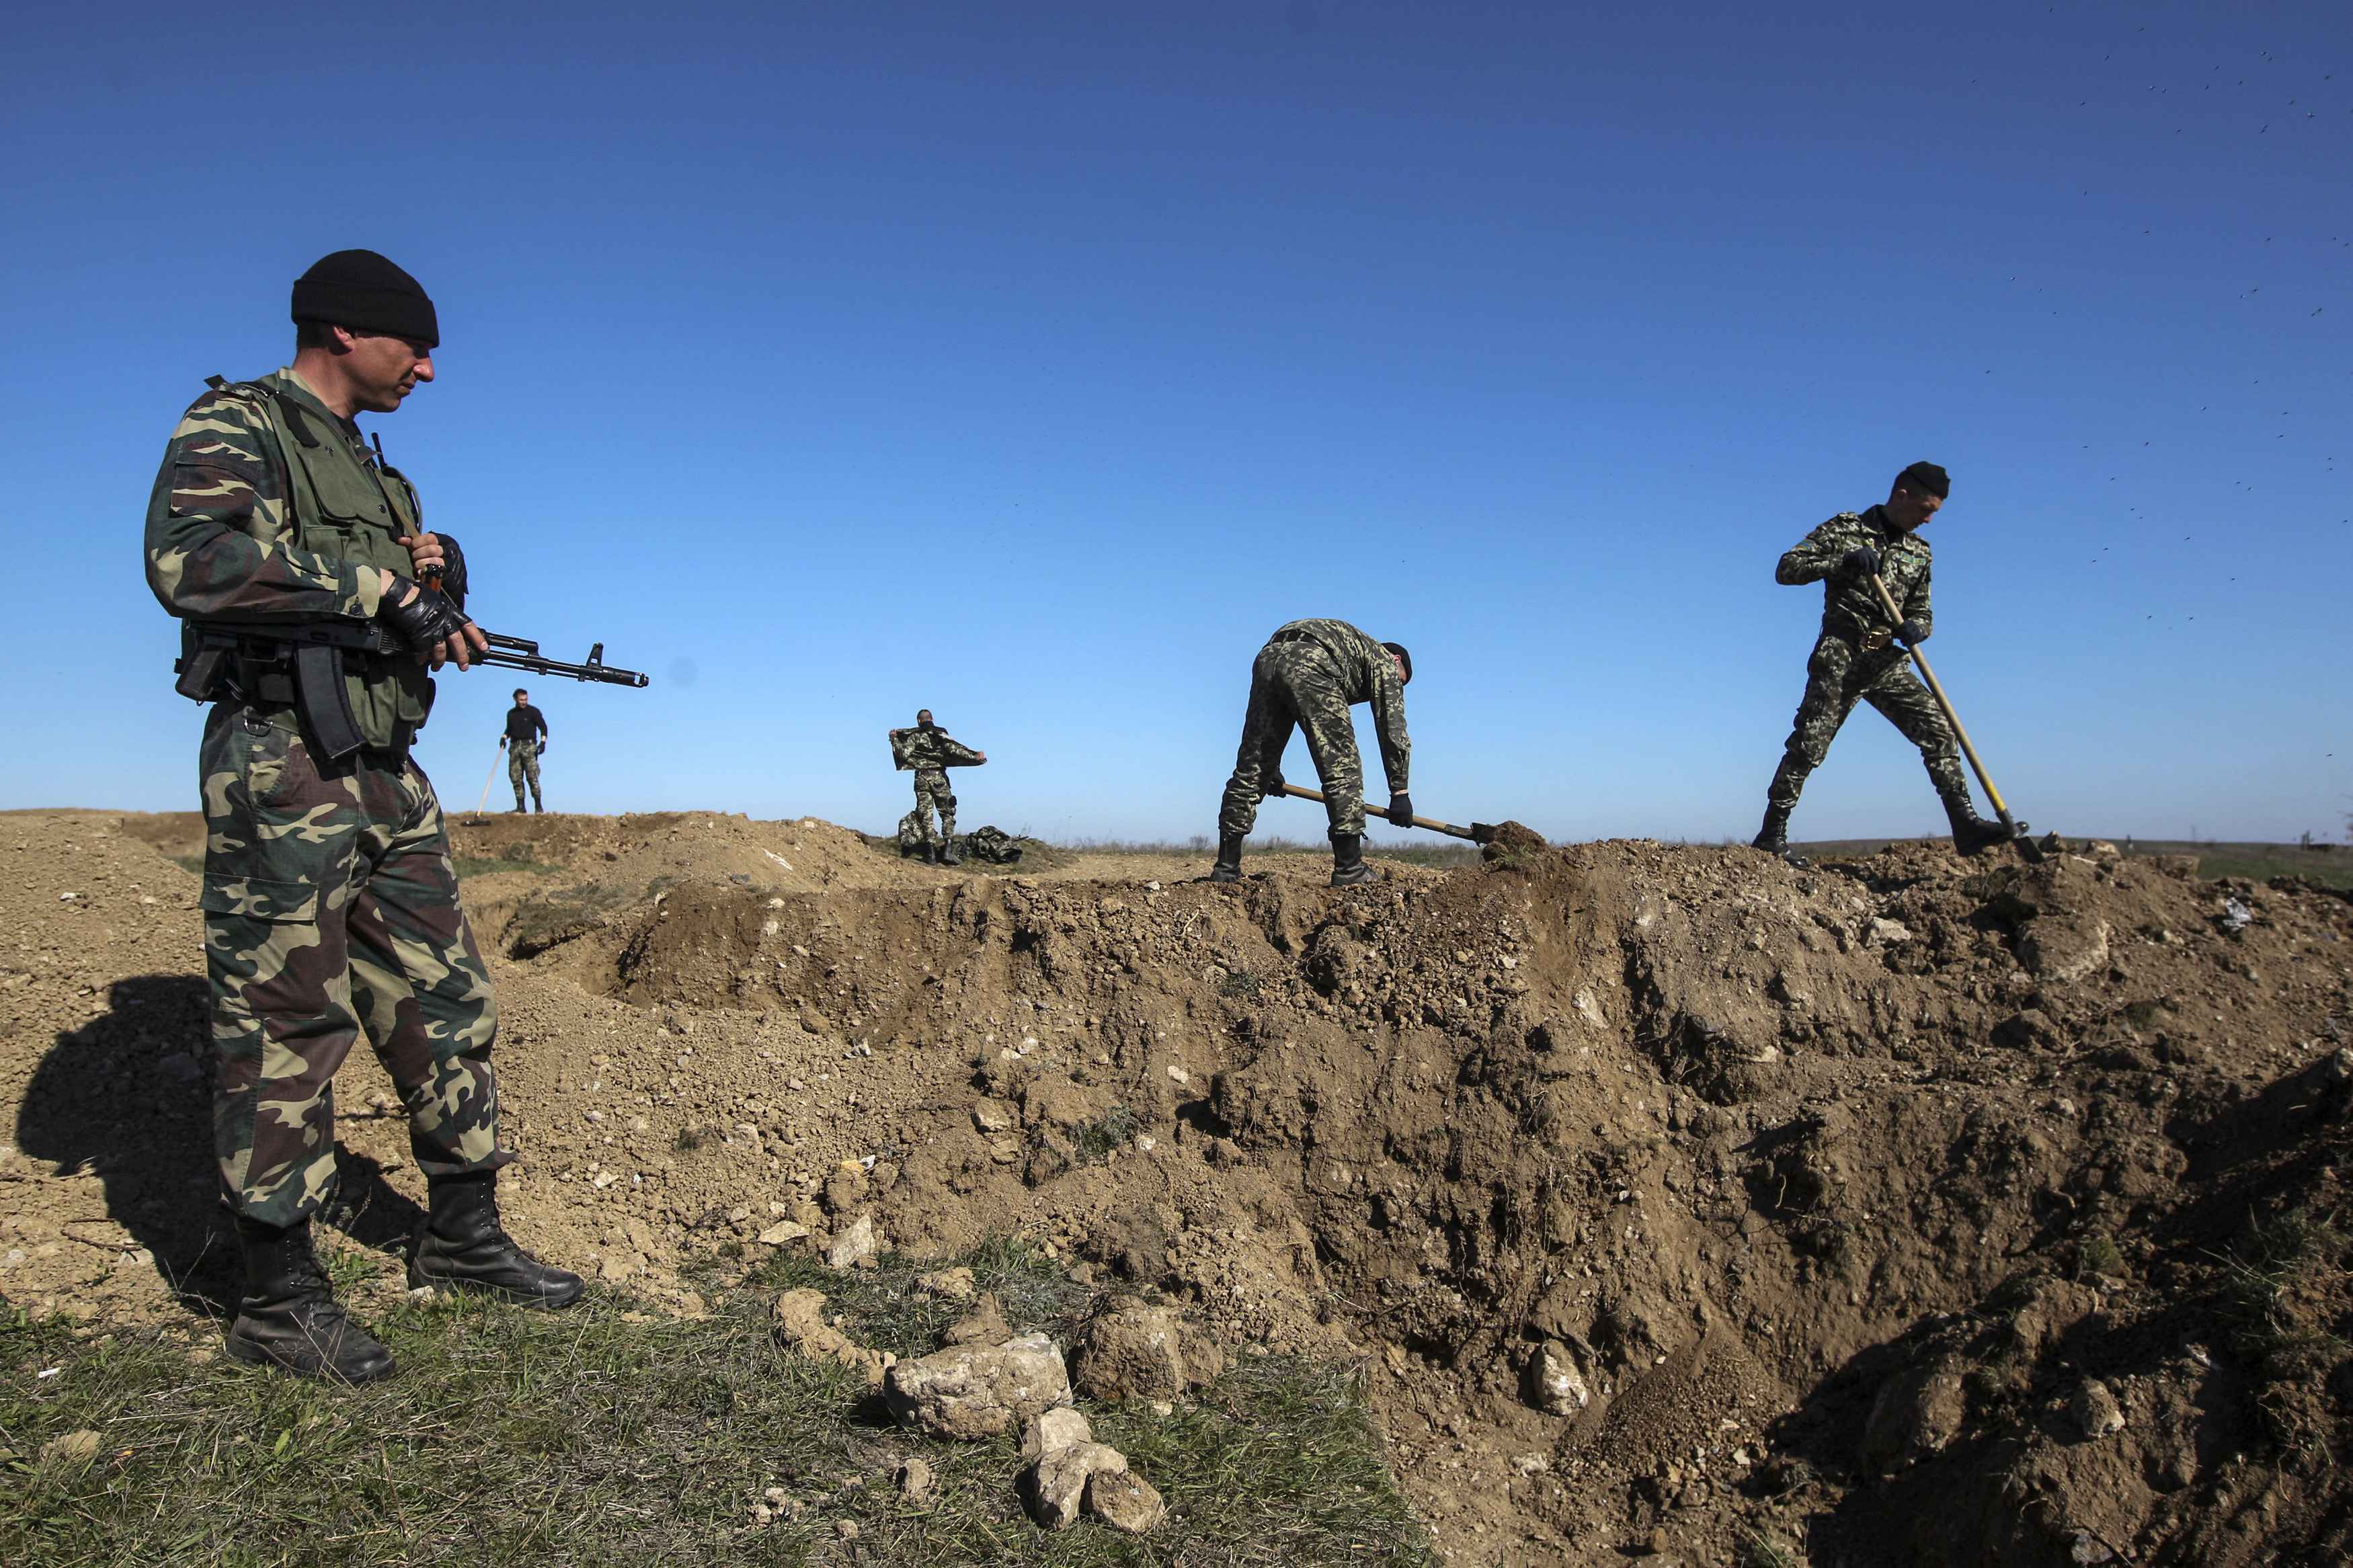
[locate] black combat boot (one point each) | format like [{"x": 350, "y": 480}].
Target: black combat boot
[
  {"x": 1774, "y": 836},
  {"x": 931, "y": 854},
  {"x": 1348, "y": 868},
  {"x": 1229, "y": 868},
  {"x": 1972, "y": 834},
  {"x": 464, "y": 1247},
  {"x": 950, "y": 854},
  {"x": 289, "y": 1317}
]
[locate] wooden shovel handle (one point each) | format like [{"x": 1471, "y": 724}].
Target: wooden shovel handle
[
  {"x": 1429, "y": 822},
  {"x": 1936, "y": 690}
]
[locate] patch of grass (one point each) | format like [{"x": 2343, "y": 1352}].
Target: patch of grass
[
  {"x": 2097, "y": 1254},
  {"x": 1115, "y": 1129},
  {"x": 1239, "y": 986},
  {"x": 1760, "y": 1549},
  {"x": 605, "y": 1435},
  {"x": 2283, "y": 1291},
  {"x": 193, "y": 865}
]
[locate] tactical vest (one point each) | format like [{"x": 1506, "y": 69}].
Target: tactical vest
[{"x": 342, "y": 507}]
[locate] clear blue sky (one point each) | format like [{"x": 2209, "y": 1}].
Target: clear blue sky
[{"x": 1031, "y": 362}]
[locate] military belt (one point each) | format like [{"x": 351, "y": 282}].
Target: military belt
[{"x": 1289, "y": 635}]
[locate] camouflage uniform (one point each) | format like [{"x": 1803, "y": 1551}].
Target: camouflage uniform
[
  {"x": 1843, "y": 672},
  {"x": 523, "y": 768},
  {"x": 931, "y": 752},
  {"x": 329, "y": 898},
  {"x": 1309, "y": 674}
]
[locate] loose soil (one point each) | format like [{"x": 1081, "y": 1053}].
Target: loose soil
[{"x": 1860, "y": 1203}]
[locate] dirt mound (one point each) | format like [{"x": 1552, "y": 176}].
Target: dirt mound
[{"x": 1906, "y": 1209}]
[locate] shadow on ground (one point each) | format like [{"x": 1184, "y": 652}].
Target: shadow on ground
[{"x": 127, "y": 1099}]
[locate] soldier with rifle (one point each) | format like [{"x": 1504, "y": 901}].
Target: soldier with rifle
[{"x": 299, "y": 563}]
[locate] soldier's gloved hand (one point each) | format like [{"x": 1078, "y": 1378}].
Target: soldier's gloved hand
[
  {"x": 1400, "y": 813},
  {"x": 1274, "y": 784},
  {"x": 1907, "y": 634},
  {"x": 431, "y": 626},
  {"x": 1861, "y": 561}
]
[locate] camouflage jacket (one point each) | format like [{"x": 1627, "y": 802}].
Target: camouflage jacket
[
  {"x": 1849, "y": 608},
  {"x": 1369, "y": 673},
  {"x": 270, "y": 506},
  {"x": 929, "y": 751}
]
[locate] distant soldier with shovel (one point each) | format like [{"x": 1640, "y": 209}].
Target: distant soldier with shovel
[
  {"x": 1308, "y": 676},
  {"x": 1874, "y": 568},
  {"x": 524, "y": 742}
]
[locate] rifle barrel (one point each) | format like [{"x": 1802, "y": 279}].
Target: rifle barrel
[{"x": 611, "y": 675}]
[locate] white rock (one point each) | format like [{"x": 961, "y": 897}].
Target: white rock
[{"x": 854, "y": 1246}]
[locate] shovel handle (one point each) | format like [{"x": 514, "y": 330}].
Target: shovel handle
[
  {"x": 1429, "y": 822},
  {"x": 1936, "y": 690}
]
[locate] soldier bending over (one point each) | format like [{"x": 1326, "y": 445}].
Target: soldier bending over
[{"x": 1309, "y": 674}]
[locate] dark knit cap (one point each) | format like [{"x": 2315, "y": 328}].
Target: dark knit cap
[
  {"x": 1404, "y": 658},
  {"x": 1926, "y": 479},
  {"x": 362, "y": 291}
]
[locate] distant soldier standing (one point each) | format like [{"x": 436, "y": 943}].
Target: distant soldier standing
[
  {"x": 930, "y": 752},
  {"x": 1309, "y": 674},
  {"x": 1859, "y": 657},
  {"x": 330, "y": 903},
  {"x": 526, "y": 738}
]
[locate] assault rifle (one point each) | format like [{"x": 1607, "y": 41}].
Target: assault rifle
[{"x": 301, "y": 663}]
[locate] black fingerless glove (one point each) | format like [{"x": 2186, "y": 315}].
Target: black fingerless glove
[
  {"x": 1400, "y": 810},
  {"x": 1907, "y": 634},
  {"x": 1860, "y": 562},
  {"x": 424, "y": 622},
  {"x": 453, "y": 571}
]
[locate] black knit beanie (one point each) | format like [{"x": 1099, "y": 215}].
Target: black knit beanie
[
  {"x": 1926, "y": 479},
  {"x": 362, "y": 291}
]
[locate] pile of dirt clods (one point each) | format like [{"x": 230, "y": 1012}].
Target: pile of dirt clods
[{"x": 1678, "y": 1203}]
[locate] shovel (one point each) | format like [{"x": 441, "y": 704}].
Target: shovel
[
  {"x": 2016, "y": 828},
  {"x": 484, "y": 804},
  {"x": 1477, "y": 833}
]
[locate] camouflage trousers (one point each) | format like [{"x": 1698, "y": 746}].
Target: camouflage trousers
[
  {"x": 931, "y": 791},
  {"x": 1295, "y": 683},
  {"x": 522, "y": 767},
  {"x": 1840, "y": 675},
  {"x": 330, "y": 905}
]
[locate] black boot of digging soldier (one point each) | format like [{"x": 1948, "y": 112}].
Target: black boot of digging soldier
[
  {"x": 290, "y": 1318},
  {"x": 1774, "y": 836},
  {"x": 463, "y": 1247},
  {"x": 1229, "y": 868},
  {"x": 950, "y": 854},
  {"x": 1972, "y": 834},
  {"x": 1348, "y": 868}
]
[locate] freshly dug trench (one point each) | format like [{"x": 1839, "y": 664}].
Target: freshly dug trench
[{"x": 1672, "y": 1196}]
